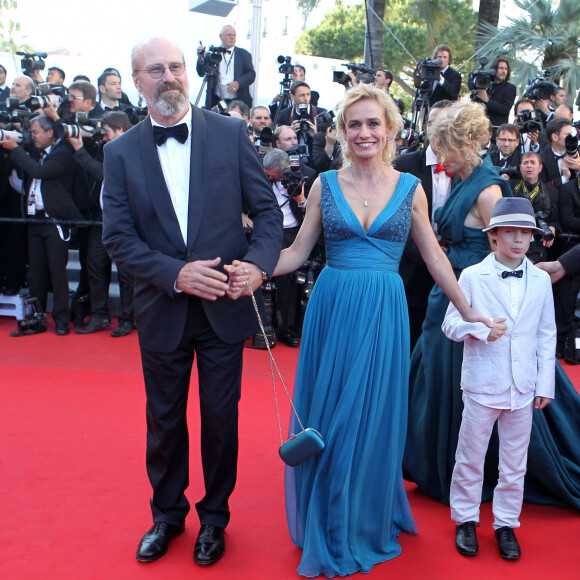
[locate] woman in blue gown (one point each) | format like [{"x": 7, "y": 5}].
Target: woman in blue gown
[
  {"x": 346, "y": 506},
  {"x": 435, "y": 403}
]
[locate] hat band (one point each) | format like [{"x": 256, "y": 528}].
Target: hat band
[{"x": 512, "y": 217}]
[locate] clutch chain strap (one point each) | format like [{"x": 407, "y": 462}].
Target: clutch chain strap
[{"x": 273, "y": 364}]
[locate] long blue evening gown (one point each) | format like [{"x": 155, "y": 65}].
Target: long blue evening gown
[{"x": 346, "y": 506}]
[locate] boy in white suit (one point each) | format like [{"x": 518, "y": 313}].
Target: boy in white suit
[{"x": 506, "y": 371}]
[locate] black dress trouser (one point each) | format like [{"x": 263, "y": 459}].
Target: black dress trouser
[{"x": 167, "y": 379}]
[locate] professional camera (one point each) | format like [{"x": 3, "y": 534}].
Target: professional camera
[
  {"x": 540, "y": 88},
  {"x": 91, "y": 127},
  {"x": 325, "y": 120},
  {"x": 286, "y": 67},
  {"x": 266, "y": 136},
  {"x": 427, "y": 73},
  {"x": 411, "y": 139},
  {"x": 362, "y": 72},
  {"x": 481, "y": 79},
  {"x": 528, "y": 122},
  {"x": 306, "y": 276},
  {"x": 293, "y": 179},
  {"x": 136, "y": 114},
  {"x": 32, "y": 61},
  {"x": 299, "y": 150},
  {"x": 303, "y": 110},
  {"x": 513, "y": 172},
  {"x": 547, "y": 234},
  {"x": 49, "y": 94},
  {"x": 212, "y": 58},
  {"x": 571, "y": 143}
]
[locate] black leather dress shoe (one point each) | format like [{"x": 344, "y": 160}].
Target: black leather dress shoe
[
  {"x": 210, "y": 545},
  {"x": 466, "y": 539},
  {"x": 95, "y": 323},
  {"x": 289, "y": 340},
  {"x": 508, "y": 545},
  {"x": 123, "y": 329},
  {"x": 155, "y": 542},
  {"x": 62, "y": 329}
]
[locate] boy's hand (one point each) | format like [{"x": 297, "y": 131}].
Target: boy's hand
[
  {"x": 542, "y": 403},
  {"x": 497, "y": 330}
]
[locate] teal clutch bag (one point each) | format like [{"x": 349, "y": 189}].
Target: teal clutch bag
[
  {"x": 308, "y": 442},
  {"x": 301, "y": 447}
]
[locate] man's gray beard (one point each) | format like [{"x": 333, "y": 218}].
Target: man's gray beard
[{"x": 168, "y": 104}]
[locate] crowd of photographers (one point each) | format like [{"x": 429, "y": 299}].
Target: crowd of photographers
[{"x": 53, "y": 137}]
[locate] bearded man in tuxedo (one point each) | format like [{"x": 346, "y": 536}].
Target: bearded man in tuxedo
[{"x": 175, "y": 188}]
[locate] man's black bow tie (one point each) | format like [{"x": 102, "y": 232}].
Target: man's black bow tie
[
  {"x": 179, "y": 132},
  {"x": 556, "y": 157},
  {"x": 515, "y": 274},
  {"x": 228, "y": 51}
]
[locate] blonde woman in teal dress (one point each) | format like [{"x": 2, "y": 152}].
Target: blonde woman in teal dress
[{"x": 346, "y": 506}]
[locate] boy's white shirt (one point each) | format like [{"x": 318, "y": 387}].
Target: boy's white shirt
[{"x": 527, "y": 361}]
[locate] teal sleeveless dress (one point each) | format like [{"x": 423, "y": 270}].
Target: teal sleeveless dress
[{"x": 346, "y": 506}]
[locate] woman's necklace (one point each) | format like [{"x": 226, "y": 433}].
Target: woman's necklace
[{"x": 366, "y": 199}]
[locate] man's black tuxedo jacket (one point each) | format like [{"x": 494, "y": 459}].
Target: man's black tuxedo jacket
[
  {"x": 501, "y": 100},
  {"x": 142, "y": 235},
  {"x": 415, "y": 164},
  {"x": 450, "y": 88},
  {"x": 57, "y": 175},
  {"x": 244, "y": 73},
  {"x": 550, "y": 170},
  {"x": 512, "y": 161}
]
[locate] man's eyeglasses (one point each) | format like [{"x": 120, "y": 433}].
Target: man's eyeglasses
[
  {"x": 156, "y": 72},
  {"x": 78, "y": 98},
  {"x": 505, "y": 140}
]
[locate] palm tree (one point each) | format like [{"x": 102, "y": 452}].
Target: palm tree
[
  {"x": 488, "y": 14},
  {"x": 544, "y": 38}
]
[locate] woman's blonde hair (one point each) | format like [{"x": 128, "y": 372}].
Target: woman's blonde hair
[
  {"x": 393, "y": 118},
  {"x": 463, "y": 128}
]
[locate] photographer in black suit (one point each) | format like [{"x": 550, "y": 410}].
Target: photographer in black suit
[
  {"x": 506, "y": 153},
  {"x": 502, "y": 94},
  {"x": 292, "y": 202},
  {"x": 236, "y": 72},
  {"x": 48, "y": 186},
  {"x": 301, "y": 115},
  {"x": 449, "y": 85}
]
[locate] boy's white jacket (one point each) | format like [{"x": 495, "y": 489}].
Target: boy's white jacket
[{"x": 525, "y": 354}]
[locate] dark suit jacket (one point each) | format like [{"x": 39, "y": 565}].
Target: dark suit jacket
[
  {"x": 550, "y": 171},
  {"x": 501, "y": 100},
  {"x": 415, "y": 164},
  {"x": 319, "y": 160},
  {"x": 512, "y": 161},
  {"x": 570, "y": 207},
  {"x": 571, "y": 261},
  {"x": 142, "y": 235},
  {"x": 289, "y": 114},
  {"x": 450, "y": 88},
  {"x": 56, "y": 173},
  {"x": 244, "y": 73}
]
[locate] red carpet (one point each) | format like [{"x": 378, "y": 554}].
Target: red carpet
[{"x": 74, "y": 492}]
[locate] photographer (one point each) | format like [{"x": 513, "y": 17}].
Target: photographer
[
  {"x": 547, "y": 107},
  {"x": 532, "y": 138},
  {"x": 300, "y": 75},
  {"x": 384, "y": 78},
  {"x": 110, "y": 92},
  {"x": 560, "y": 164},
  {"x": 22, "y": 88},
  {"x": 48, "y": 185},
  {"x": 4, "y": 88},
  {"x": 260, "y": 120},
  {"x": 544, "y": 200},
  {"x": 236, "y": 71},
  {"x": 325, "y": 146},
  {"x": 502, "y": 94},
  {"x": 55, "y": 76},
  {"x": 506, "y": 153},
  {"x": 449, "y": 84},
  {"x": 89, "y": 179},
  {"x": 289, "y": 186},
  {"x": 566, "y": 291},
  {"x": 301, "y": 115}
]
